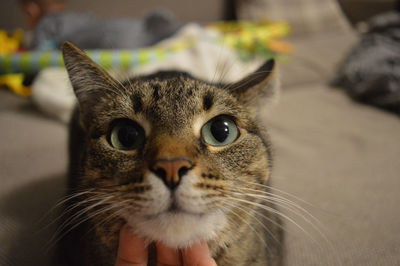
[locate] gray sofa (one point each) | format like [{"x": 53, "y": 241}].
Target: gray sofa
[{"x": 339, "y": 158}]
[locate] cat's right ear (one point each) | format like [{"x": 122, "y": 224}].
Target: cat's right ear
[
  {"x": 259, "y": 89},
  {"x": 89, "y": 81}
]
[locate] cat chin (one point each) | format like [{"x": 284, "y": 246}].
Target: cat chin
[{"x": 179, "y": 230}]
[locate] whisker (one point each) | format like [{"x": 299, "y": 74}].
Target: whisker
[
  {"x": 277, "y": 213},
  {"x": 278, "y": 190},
  {"x": 283, "y": 205},
  {"x": 260, "y": 222},
  {"x": 282, "y": 200},
  {"x": 279, "y": 199},
  {"x": 77, "y": 215},
  {"x": 226, "y": 68},
  {"x": 69, "y": 209},
  {"x": 60, "y": 234},
  {"x": 114, "y": 215},
  {"x": 61, "y": 202},
  {"x": 218, "y": 63},
  {"x": 101, "y": 200},
  {"x": 249, "y": 225}
]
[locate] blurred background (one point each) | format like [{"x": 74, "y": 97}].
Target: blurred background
[
  {"x": 186, "y": 11},
  {"x": 335, "y": 130},
  {"x": 11, "y": 16}
]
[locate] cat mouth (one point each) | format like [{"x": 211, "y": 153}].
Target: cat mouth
[
  {"x": 175, "y": 209},
  {"x": 177, "y": 228}
]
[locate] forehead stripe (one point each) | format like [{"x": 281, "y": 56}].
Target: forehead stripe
[
  {"x": 156, "y": 92},
  {"x": 137, "y": 102},
  {"x": 208, "y": 101}
]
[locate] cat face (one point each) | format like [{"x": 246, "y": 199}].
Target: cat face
[{"x": 168, "y": 152}]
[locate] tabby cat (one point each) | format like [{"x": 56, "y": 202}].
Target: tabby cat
[{"x": 170, "y": 155}]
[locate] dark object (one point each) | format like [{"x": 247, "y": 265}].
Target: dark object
[
  {"x": 357, "y": 11},
  {"x": 90, "y": 32},
  {"x": 371, "y": 71}
]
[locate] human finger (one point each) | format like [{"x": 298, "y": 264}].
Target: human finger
[
  {"x": 132, "y": 250},
  {"x": 167, "y": 256},
  {"x": 197, "y": 255}
]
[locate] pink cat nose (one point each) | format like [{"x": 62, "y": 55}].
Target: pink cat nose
[{"x": 171, "y": 170}]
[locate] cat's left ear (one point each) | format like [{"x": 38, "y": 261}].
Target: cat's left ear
[
  {"x": 258, "y": 88},
  {"x": 89, "y": 81}
]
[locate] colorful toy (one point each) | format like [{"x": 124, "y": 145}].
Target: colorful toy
[
  {"x": 9, "y": 44},
  {"x": 254, "y": 38},
  {"x": 247, "y": 38},
  {"x": 32, "y": 62},
  {"x": 15, "y": 83}
]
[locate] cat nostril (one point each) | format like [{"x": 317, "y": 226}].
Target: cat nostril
[
  {"x": 182, "y": 171},
  {"x": 171, "y": 171},
  {"x": 161, "y": 173}
]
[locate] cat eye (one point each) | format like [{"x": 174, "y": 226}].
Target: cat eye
[
  {"x": 220, "y": 131},
  {"x": 126, "y": 135}
]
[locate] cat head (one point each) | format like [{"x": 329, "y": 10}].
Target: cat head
[{"x": 168, "y": 152}]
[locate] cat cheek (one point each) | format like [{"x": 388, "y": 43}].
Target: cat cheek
[{"x": 193, "y": 196}]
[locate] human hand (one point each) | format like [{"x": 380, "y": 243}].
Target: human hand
[{"x": 133, "y": 252}]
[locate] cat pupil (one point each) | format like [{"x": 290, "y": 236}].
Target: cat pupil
[
  {"x": 127, "y": 136},
  {"x": 220, "y": 130}
]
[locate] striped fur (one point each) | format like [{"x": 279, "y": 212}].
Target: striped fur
[{"x": 117, "y": 187}]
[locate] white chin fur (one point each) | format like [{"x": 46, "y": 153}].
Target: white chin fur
[{"x": 179, "y": 230}]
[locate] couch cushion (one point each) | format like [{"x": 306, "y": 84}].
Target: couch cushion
[
  {"x": 32, "y": 176},
  {"x": 316, "y": 57},
  {"x": 343, "y": 158},
  {"x": 305, "y": 16}
]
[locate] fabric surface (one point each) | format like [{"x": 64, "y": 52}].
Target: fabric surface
[
  {"x": 340, "y": 156},
  {"x": 315, "y": 58},
  {"x": 52, "y": 93},
  {"x": 32, "y": 175},
  {"x": 305, "y": 16}
]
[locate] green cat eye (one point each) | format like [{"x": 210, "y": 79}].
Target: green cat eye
[
  {"x": 126, "y": 135},
  {"x": 219, "y": 131}
]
